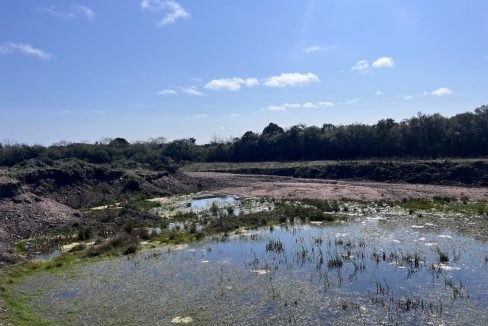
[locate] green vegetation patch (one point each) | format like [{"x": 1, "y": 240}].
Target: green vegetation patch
[{"x": 445, "y": 204}]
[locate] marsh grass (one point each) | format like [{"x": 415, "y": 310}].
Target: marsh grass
[
  {"x": 335, "y": 262},
  {"x": 446, "y": 204},
  {"x": 443, "y": 256}
]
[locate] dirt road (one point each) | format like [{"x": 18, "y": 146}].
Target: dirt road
[{"x": 286, "y": 187}]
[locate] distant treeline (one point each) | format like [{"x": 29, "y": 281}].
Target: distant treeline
[{"x": 423, "y": 136}]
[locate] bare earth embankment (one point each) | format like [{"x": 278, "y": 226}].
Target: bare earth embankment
[
  {"x": 448, "y": 172},
  {"x": 289, "y": 187}
]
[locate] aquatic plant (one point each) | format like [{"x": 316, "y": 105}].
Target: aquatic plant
[
  {"x": 335, "y": 262},
  {"x": 275, "y": 245},
  {"x": 443, "y": 256}
]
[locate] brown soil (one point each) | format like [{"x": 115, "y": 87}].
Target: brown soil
[
  {"x": 25, "y": 215},
  {"x": 287, "y": 187}
]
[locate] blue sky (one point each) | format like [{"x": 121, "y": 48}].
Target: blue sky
[{"x": 86, "y": 69}]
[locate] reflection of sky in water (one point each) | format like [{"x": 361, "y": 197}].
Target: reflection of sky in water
[
  {"x": 206, "y": 203},
  {"x": 219, "y": 282}
]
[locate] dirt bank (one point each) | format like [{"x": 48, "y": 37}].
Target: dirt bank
[
  {"x": 288, "y": 187},
  {"x": 25, "y": 215},
  {"x": 452, "y": 172}
]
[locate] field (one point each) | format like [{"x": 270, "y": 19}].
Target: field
[{"x": 473, "y": 172}]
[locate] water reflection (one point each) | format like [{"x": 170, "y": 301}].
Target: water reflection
[{"x": 369, "y": 270}]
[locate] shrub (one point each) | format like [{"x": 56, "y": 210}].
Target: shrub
[{"x": 132, "y": 184}]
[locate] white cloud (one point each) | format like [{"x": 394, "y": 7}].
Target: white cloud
[
  {"x": 291, "y": 79},
  {"x": 307, "y": 105},
  {"x": 24, "y": 48},
  {"x": 173, "y": 11},
  {"x": 201, "y": 116},
  {"x": 231, "y": 84},
  {"x": 354, "y": 100},
  {"x": 75, "y": 12},
  {"x": 323, "y": 104},
  {"x": 191, "y": 90},
  {"x": 379, "y": 93},
  {"x": 409, "y": 97},
  {"x": 443, "y": 91},
  {"x": 360, "y": 65},
  {"x": 167, "y": 92},
  {"x": 87, "y": 12},
  {"x": 233, "y": 115},
  {"x": 383, "y": 62},
  {"x": 316, "y": 48}
]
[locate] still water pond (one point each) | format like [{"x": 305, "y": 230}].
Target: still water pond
[{"x": 377, "y": 268}]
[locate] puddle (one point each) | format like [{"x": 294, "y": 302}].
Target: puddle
[
  {"x": 368, "y": 271},
  {"x": 206, "y": 203},
  {"x": 213, "y": 206}
]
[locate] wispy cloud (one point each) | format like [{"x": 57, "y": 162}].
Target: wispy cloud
[
  {"x": 352, "y": 101},
  {"x": 200, "y": 116},
  {"x": 188, "y": 90},
  {"x": 167, "y": 92},
  {"x": 379, "y": 93},
  {"x": 173, "y": 11},
  {"x": 191, "y": 90},
  {"x": 410, "y": 97},
  {"x": 307, "y": 105},
  {"x": 231, "y": 84},
  {"x": 74, "y": 12},
  {"x": 317, "y": 48},
  {"x": 24, "y": 48},
  {"x": 291, "y": 79},
  {"x": 443, "y": 91},
  {"x": 360, "y": 65},
  {"x": 383, "y": 62}
]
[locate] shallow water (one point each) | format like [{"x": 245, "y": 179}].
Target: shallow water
[
  {"x": 376, "y": 268},
  {"x": 206, "y": 203},
  {"x": 209, "y": 206}
]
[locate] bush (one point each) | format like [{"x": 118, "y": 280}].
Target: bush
[
  {"x": 84, "y": 234},
  {"x": 132, "y": 184}
]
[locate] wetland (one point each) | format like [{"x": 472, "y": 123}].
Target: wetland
[{"x": 230, "y": 260}]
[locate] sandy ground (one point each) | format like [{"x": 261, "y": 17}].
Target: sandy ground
[{"x": 286, "y": 187}]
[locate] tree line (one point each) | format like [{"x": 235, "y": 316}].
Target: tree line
[{"x": 423, "y": 136}]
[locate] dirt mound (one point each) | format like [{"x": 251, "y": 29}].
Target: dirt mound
[
  {"x": 80, "y": 184},
  {"x": 8, "y": 187},
  {"x": 25, "y": 215}
]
